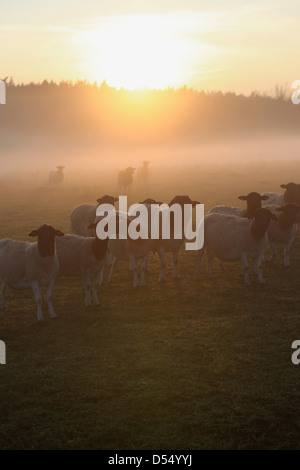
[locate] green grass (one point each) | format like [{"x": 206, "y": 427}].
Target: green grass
[{"x": 185, "y": 365}]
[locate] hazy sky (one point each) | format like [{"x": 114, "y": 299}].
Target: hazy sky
[{"x": 220, "y": 45}]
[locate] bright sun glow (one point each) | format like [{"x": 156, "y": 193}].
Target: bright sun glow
[{"x": 139, "y": 51}]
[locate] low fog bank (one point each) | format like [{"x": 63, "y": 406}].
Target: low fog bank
[
  {"x": 211, "y": 174},
  {"x": 35, "y": 158}
]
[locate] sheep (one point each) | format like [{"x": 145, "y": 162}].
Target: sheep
[
  {"x": 85, "y": 256},
  {"x": 130, "y": 250},
  {"x": 254, "y": 202},
  {"x": 172, "y": 244},
  {"x": 84, "y": 215},
  {"x": 125, "y": 178},
  {"x": 143, "y": 171},
  {"x": 24, "y": 265},
  {"x": 283, "y": 231},
  {"x": 232, "y": 238},
  {"x": 56, "y": 177},
  {"x": 148, "y": 203},
  {"x": 291, "y": 195}
]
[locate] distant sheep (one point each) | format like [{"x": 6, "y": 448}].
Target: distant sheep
[
  {"x": 83, "y": 256},
  {"x": 56, "y": 177},
  {"x": 125, "y": 179},
  {"x": 85, "y": 214},
  {"x": 24, "y": 265},
  {"x": 143, "y": 171},
  {"x": 254, "y": 202},
  {"x": 232, "y": 238},
  {"x": 282, "y": 231}
]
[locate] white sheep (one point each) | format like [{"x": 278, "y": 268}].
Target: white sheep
[
  {"x": 282, "y": 231},
  {"x": 84, "y": 215},
  {"x": 254, "y": 202},
  {"x": 83, "y": 256},
  {"x": 232, "y": 238},
  {"x": 24, "y": 265},
  {"x": 56, "y": 177}
]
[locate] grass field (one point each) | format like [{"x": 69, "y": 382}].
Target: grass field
[{"x": 183, "y": 365}]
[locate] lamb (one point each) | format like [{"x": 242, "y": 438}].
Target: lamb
[
  {"x": 254, "y": 202},
  {"x": 283, "y": 231},
  {"x": 24, "y": 265},
  {"x": 83, "y": 256},
  {"x": 56, "y": 177},
  {"x": 125, "y": 178},
  {"x": 84, "y": 215},
  {"x": 232, "y": 238},
  {"x": 172, "y": 244}
]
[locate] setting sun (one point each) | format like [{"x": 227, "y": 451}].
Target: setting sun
[{"x": 139, "y": 51}]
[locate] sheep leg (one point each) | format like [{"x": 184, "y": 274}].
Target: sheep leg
[
  {"x": 245, "y": 264},
  {"x": 135, "y": 269},
  {"x": 175, "y": 269},
  {"x": 198, "y": 262},
  {"x": 88, "y": 289},
  {"x": 258, "y": 263},
  {"x": 131, "y": 266},
  {"x": 162, "y": 257},
  {"x": 287, "y": 254},
  {"x": 3, "y": 288},
  {"x": 112, "y": 269},
  {"x": 143, "y": 269},
  {"x": 38, "y": 299},
  {"x": 102, "y": 275},
  {"x": 210, "y": 258},
  {"x": 49, "y": 296},
  {"x": 95, "y": 281},
  {"x": 108, "y": 259},
  {"x": 274, "y": 252}
]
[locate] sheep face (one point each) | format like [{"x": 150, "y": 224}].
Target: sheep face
[
  {"x": 46, "y": 239},
  {"x": 253, "y": 202},
  {"x": 261, "y": 223}
]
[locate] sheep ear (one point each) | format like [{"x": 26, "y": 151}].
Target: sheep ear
[
  {"x": 283, "y": 185},
  {"x": 243, "y": 198},
  {"x": 34, "y": 233},
  {"x": 264, "y": 198},
  {"x": 59, "y": 233}
]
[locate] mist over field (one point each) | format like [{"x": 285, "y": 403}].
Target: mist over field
[{"x": 99, "y": 128}]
